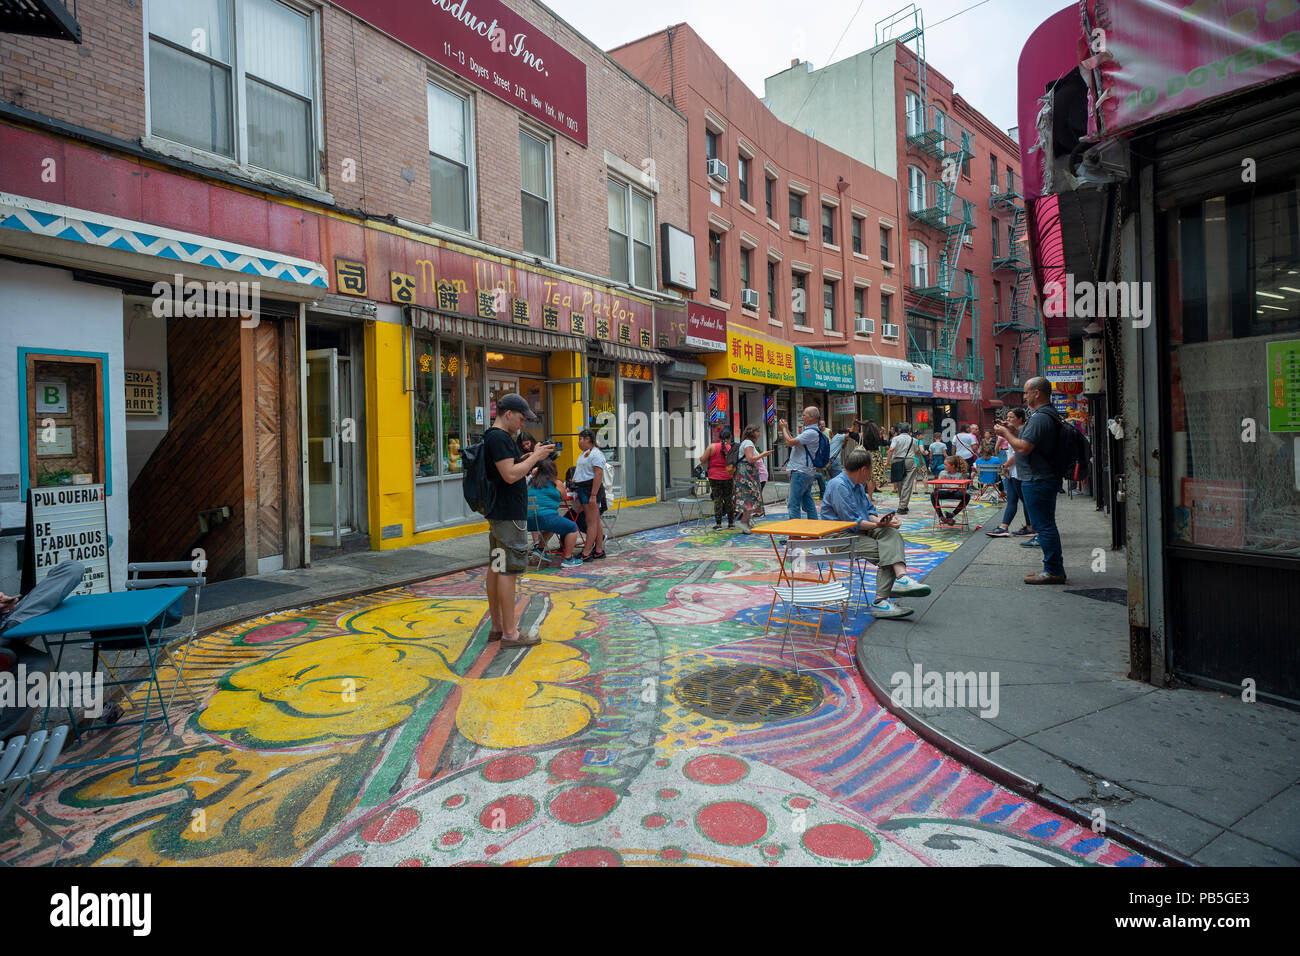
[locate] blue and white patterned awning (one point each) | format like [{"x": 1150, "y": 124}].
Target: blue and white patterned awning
[{"x": 39, "y": 218}]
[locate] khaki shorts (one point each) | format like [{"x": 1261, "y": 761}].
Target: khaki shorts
[{"x": 508, "y": 538}]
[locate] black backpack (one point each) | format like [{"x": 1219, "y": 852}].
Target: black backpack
[
  {"x": 733, "y": 456},
  {"x": 1070, "y": 451},
  {"x": 479, "y": 490}
]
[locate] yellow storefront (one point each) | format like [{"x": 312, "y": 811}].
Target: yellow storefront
[{"x": 748, "y": 383}]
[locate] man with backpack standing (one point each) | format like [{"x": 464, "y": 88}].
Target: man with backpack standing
[
  {"x": 809, "y": 450},
  {"x": 1043, "y": 451},
  {"x": 506, "y": 468}
]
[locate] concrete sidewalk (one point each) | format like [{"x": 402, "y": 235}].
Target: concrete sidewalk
[{"x": 1198, "y": 772}]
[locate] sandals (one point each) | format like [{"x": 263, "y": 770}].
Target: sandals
[{"x": 524, "y": 640}]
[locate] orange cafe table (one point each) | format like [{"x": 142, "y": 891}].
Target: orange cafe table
[{"x": 798, "y": 528}]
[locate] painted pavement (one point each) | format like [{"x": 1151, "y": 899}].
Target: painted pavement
[{"x": 654, "y": 725}]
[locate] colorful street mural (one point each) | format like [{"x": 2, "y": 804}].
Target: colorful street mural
[{"x": 655, "y": 724}]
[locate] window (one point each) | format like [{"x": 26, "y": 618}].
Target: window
[
  {"x": 768, "y": 184},
  {"x": 1011, "y": 238},
  {"x": 997, "y": 300},
  {"x": 742, "y": 177},
  {"x": 771, "y": 289},
  {"x": 1011, "y": 180},
  {"x": 941, "y": 122},
  {"x": 997, "y": 365},
  {"x": 859, "y": 302},
  {"x": 884, "y": 244},
  {"x": 631, "y": 232},
  {"x": 250, "y": 99},
  {"x": 993, "y": 172},
  {"x": 920, "y": 264},
  {"x": 886, "y": 303},
  {"x": 799, "y": 298},
  {"x": 915, "y": 189},
  {"x": 857, "y": 234},
  {"x": 715, "y": 265},
  {"x": 710, "y": 144},
  {"x": 796, "y": 207},
  {"x": 450, "y": 146},
  {"x": 828, "y": 305},
  {"x": 535, "y": 193},
  {"x": 913, "y": 106},
  {"x": 745, "y": 257},
  {"x": 828, "y": 225},
  {"x": 997, "y": 226},
  {"x": 968, "y": 150}
]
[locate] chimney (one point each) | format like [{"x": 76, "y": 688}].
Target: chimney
[{"x": 794, "y": 62}]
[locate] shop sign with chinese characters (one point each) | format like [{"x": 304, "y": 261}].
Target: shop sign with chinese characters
[
  {"x": 955, "y": 388},
  {"x": 750, "y": 359},
  {"x": 628, "y": 370},
  {"x": 817, "y": 369}
]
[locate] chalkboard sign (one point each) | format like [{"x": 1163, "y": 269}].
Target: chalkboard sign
[{"x": 67, "y": 524}]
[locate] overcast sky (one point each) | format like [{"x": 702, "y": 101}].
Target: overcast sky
[{"x": 978, "y": 50}]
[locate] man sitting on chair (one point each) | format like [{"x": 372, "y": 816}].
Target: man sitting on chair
[{"x": 846, "y": 499}]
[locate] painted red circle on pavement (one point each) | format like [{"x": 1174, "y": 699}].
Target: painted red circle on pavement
[
  {"x": 510, "y": 767},
  {"x": 661, "y": 763},
  {"x": 668, "y": 793},
  {"x": 715, "y": 770},
  {"x": 390, "y": 825},
  {"x": 732, "y": 823},
  {"x": 579, "y": 805},
  {"x": 589, "y": 856},
  {"x": 451, "y": 838},
  {"x": 800, "y": 803},
  {"x": 352, "y": 859},
  {"x": 508, "y": 812},
  {"x": 568, "y": 765},
  {"x": 654, "y": 821},
  {"x": 839, "y": 841},
  {"x": 772, "y": 850},
  {"x": 451, "y": 803},
  {"x": 413, "y": 861},
  {"x": 671, "y": 854}
]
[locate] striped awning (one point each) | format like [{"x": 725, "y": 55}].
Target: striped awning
[
  {"x": 630, "y": 353},
  {"x": 494, "y": 333}
]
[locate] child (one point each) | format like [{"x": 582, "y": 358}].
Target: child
[
  {"x": 987, "y": 466},
  {"x": 954, "y": 467}
]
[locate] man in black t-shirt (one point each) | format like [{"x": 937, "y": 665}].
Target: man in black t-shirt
[{"x": 507, "y": 469}]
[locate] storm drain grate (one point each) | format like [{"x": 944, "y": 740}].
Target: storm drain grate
[
  {"x": 1114, "y": 595},
  {"x": 747, "y": 693}
]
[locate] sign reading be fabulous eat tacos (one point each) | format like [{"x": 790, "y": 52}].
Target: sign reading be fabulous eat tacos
[{"x": 496, "y": 49}]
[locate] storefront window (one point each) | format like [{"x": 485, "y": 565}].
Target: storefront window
[
  {"x": 428, "y": 406},
  {"x": 1232, "y": 287},
  {"x": 604, "y": 406},
  {"x": 477, "y": 418},
  {"x": 525, "y": 376},
  {"x": 452, "y": 375}
]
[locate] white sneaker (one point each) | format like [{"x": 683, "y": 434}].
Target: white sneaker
[
  {"x": 905, "y": 586},
  {"x": 571, "y": 562},
  {"x": 887, "y": 608}
]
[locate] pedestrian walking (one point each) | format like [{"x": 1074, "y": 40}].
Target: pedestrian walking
[
  {"x": 1038, "y": 483},
  {"x": 749, "y": 489},
  {"x": 1011, "y": 482},
  {"x": 716, "y": 460},
  {"x": 803, "y": 450},
  {"x": 508, "y": 545},
  {"x": 847, "y": 499}
]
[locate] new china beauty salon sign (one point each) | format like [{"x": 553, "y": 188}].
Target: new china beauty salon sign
[{"x": 496, "y": 49}]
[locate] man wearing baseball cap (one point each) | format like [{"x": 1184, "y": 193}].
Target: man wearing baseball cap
[{"x": 507, "y": 469}]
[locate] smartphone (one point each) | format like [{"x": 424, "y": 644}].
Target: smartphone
[{"x": 881, "y": 519}]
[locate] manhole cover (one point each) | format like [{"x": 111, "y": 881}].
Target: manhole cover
[
  {"x": 749, "y": 694},
  {"x": 1114, "y": 595}
]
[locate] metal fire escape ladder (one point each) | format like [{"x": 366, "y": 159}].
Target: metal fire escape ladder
[{"x": 1022, "y": 318}]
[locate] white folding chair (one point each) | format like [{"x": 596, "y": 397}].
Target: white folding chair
[
  {"x": 24, "y": 762},
  {"x": 689, "y": 506},
  {"x": 537, "y": 553},
  {"x": 609, "y": 520},
  {"x": 824, "y": 596}
]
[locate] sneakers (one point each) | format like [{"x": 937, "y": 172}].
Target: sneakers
[
  {"x": 1022, "y": 532},
  {"x": 573, "y": 561},
  {"x": 744, "y": 526},
  {"x": 905, "y": 586},
  {"x": 1031, "y": 543},
  {"x": 1042, "y": 577},
  {"x": 887, "y": 609},
  {"x": 998, "y": 533},
  {"x": 901, "y": 511}
]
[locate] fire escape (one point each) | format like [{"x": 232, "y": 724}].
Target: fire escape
[
  {"x": 941, "y": 297},
  {"x": 1022, "y": 318}
]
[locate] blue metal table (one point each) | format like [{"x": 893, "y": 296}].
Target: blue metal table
[{"x": 116, "y": 612}]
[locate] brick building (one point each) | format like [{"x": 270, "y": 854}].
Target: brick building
[
  {"x": 796, "y": 244},
  {"x": 423, "y": 224}
]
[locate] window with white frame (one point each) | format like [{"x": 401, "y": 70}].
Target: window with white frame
[
  {"x": 771, "y": 289},
  {"x": 913, "y": 105},
  {"x": 886, "y": 306},
  {"x": 631, "y": 235},
  {"x": 884, "y": 245},
  {"x": 715, "y": 265},
  {"x": 828, "y": 305},
  {"x": 768, "y": 185},
  {"x": 451, "y": 175},
  {"x": 859, "y": 302},
  {"x": 941, "y": 122},
  {"x": 915, "y": 189},
  {"x": 799, "y": 298},
  {"x": 746, "y": 258},
  {"x": 535, "y": 192},
  {"x": 828, "y": 225},
  {"x": 857, "y": 234},
  {"x": 920, "y": 264},
  {"x": 742, "y": 177},
  {"x": 246, "y": 93},
  {"x": 796, "y": 206}
]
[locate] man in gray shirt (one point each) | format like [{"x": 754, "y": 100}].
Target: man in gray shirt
[
  {"x": 1038, "y": 483},
  {"x": 802, "y": 473}
]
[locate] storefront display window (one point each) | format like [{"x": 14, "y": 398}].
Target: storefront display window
[
  {"x": 452, "y": 374},
  {"x": 1232, "y": 288},
  {"x": 604, "y": 405},
  {"x": 428, "y": 406},
  {"x": 475, "y": 424}
]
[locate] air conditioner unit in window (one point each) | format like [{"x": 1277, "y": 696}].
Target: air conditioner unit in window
[
  {"x": 966, "y": 240},
  {"x": 799, "y": 225},
  {"x": 889, "y": 330},
  {"x": 864, "y": 326},
  {"x": 718, "y": 170},
  {"x": 749, "y": 298},
  {"x": 994, "y": 188}
]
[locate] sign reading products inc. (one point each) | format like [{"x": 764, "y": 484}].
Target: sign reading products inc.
[
  {"x": 706, "y": 327},
  {"x": 71, "y": 524},
  {"x": 496, "y": 49}
]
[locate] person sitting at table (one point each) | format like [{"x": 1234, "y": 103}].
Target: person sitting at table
[
  {"x": 988, "y": 467},
  {"x": 846, "y": 499},
  {"x": 544, "y": 494},
  {"x": 954, "y": 468}
]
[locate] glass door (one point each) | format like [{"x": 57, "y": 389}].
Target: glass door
[{"x": 323, "y": 471}]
